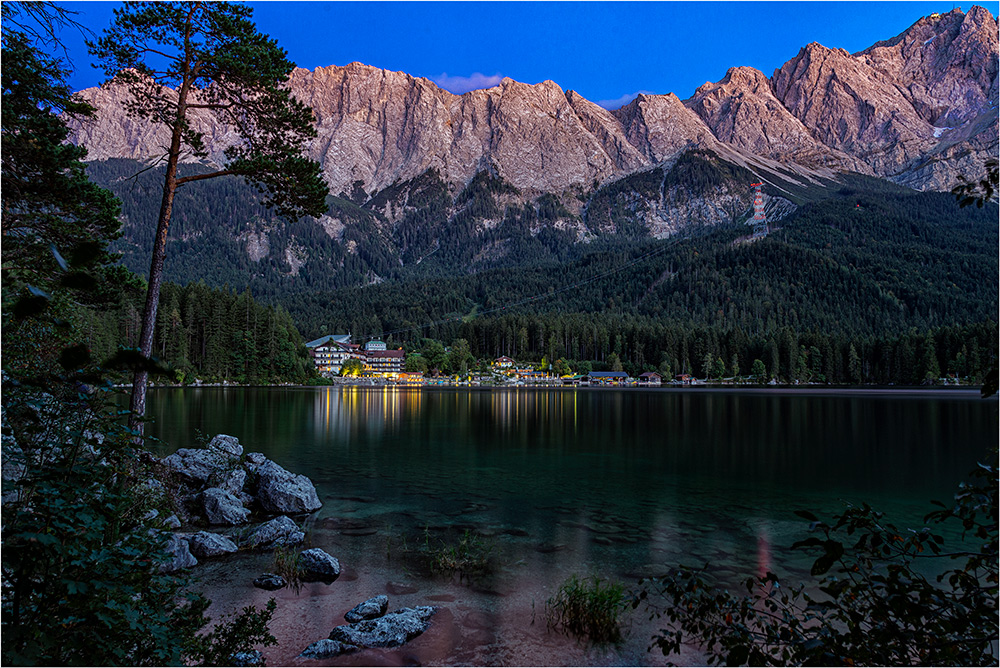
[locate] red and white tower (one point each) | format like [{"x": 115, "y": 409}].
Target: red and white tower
[{"x": 759, "y": 221}]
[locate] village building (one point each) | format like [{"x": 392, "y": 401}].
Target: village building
[
  {"x": 503, "y": 364},
  {"x": 608, "y": 378},
  {"x": 330, "y": 352},
  {"x": 650, "y": 379},
  {"x": 384, "y": 363}
]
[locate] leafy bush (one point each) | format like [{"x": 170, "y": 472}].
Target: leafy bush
[
  {"x": 588, "y": 608},
  {"x": 878, "y": 607}
]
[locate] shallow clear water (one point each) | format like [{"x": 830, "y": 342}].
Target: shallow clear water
[{"x": 619, "y": 483}]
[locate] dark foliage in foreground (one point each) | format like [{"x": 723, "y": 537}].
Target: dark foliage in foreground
[
  {"x": 81, "y": 551},
  {"x": 873, "y": 605}
]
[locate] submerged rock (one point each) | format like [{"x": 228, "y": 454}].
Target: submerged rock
[
  {"x": 221, "y": 507},
  {"x": 326, "y": 649},
  {"x": 391, "y": 630},
  {"x": 371, "y": 609},
  {"x": 254, "y": 658},
  {"x": 206, "y": 544},
  {"x": 270, "y": 582},
  {"x": 279, "y": 491},
  {"x": 400, "y": 588},
  {"x": 318, "y": 566},
  {"x": 275, "y": 533}
]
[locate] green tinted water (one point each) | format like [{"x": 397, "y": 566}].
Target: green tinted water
[{"x": 623, "y": 483}]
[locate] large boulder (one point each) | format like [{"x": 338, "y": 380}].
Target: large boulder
[
  {"x": 205, "y": 544},
  {"x": 253, "y": 461},
  {"x": 373, "y": 608},
  {"x": 275, "y": 533},
  {"x": 231, "y": 481},
  {"x": 251, "y": 658},
  {"x": 179, "y": 553},
  {"x": 226, "y": 444},
  {"x": 221, "y": 507},
  {"x": 197, "y": 465},
  {"x": 279, "y": 491},
  {"x": 318, "y": 566},
  {"x": 392, "y": 630}
]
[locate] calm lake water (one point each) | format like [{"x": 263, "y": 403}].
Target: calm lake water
[{"x": 618, "y": 483}]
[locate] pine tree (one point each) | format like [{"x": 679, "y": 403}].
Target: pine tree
[{"x": 177, "y": 57}]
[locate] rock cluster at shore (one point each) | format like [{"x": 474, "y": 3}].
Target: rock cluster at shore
[
  {"x": 219, "y": 485},
  {"x": 370, "y": 626}
]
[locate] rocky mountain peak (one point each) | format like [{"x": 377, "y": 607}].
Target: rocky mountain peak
[
  {"x": 911, "y": 108},
  {"x": 741, "y": 110},
  {"x": 661, "y": 127},
  {"x": 946, "y": 63}
]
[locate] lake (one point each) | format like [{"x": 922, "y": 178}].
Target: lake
[{"x": 552, "y": 482}]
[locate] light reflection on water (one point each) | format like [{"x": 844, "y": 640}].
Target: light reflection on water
[{"x": 617, "y": 482}]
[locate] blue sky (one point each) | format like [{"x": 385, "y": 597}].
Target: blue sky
[{"x": 606, "y": 51}]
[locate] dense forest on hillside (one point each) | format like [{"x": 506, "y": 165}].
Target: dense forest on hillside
[
  {"x": 204, "y": 333},
  {"x": 861, "y": 263},
  {"x": 856, "y": 264}
]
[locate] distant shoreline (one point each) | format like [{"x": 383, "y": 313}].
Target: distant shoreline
[{"x": 802, "y": 389}]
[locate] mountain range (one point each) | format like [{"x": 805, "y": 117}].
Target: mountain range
[{"x": 432, "y": 182}]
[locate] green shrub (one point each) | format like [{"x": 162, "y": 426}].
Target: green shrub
[{"x": 588, "y": 608}]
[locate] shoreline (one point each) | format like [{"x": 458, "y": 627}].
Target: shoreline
[{"x": 895, "y": 390}]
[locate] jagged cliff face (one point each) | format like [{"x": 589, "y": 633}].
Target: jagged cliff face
[{"x": 919, "y": 109}]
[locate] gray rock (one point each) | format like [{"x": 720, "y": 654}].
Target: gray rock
[
  {"x": 172, "y": 522},
  {"x": 196, "y": 466},
  {"x": 270, "y": 582},
  {"x": 221, "y": 507},
  {"x": 392, "y": 630},
  {"x": 229, "y": 445},
  {"x": 318, "y": 566},
  {"x": 370, "y": 609},
  {"x": 205, "y": 544},
  {"x": 326, "y": 649},
  {"x": 280, "y": 491},
  {"x": 274, "y": 533},
  {"x": 180, "y": 555},
  {"x": 253, "y": 658},
  {"x": 231, "y": 481},
  {"x": 400, "y": 588},
  {"x": 253, "y": 460}
]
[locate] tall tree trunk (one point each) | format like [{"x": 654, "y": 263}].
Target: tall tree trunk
[{"x": 137, "y": 405}]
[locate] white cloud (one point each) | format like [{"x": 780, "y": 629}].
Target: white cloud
[
  {"x": 459, "y": 85},
  {"x": 623, "y": 100}
]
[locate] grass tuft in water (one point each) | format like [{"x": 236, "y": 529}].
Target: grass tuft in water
[
  {"x": 589, "y": 608},
  {"x": 469, "y": 557},
  {"x": 288, "y": 564}
]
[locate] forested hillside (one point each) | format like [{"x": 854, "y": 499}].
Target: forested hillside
[
  {"x": 204, "y": 333},
  {"x": 865, "y": 263},
  {"x": 857, "y": 262}
]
